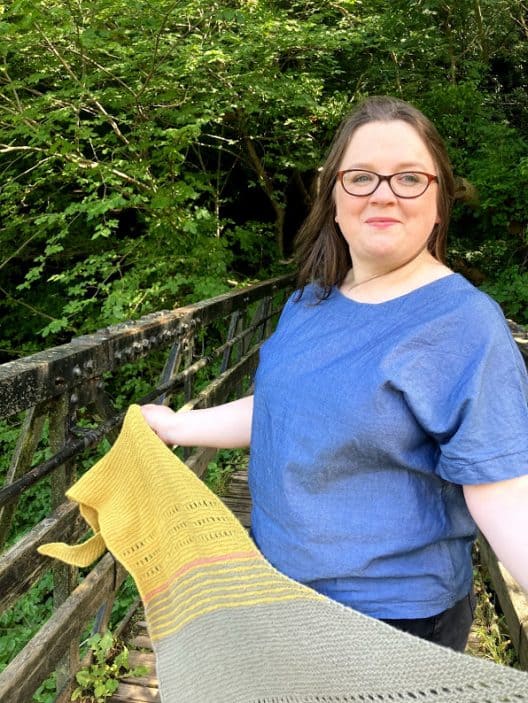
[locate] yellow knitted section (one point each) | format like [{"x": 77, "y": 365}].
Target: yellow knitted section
[{"x": 154, "y": 514}]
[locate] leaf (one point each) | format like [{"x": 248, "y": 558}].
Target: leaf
[
  {"x": 121, "y": 661},
  {"x": 83, "y": 677},
  {"x": 101, "y": 690},
  {"x": 111, "y": 686}
]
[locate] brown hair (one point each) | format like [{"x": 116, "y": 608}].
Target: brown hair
[{"x": 322, "y": 253}]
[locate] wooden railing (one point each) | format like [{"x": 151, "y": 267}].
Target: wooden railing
[
  {"x": 513, "y": 600},
  {"x": 65, "y": 402}
]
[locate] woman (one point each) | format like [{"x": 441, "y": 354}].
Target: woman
[{"x": 390, "y": 411}]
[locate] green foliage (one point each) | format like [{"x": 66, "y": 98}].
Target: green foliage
[
  {"x": 34, "y": 503},
  {"x": 126, "y": 595},
  {"x": 150, "y": 151},
  {"x": 489, "y": 636},
  {"x": 130, "y": 156},
  {"x": 21, "y": 622},
  {"x": 100, "y": 680},
  {"x": 510, "y": 289},
  {"x": 154, "y": 154},
  {"x": 493, "y": 262},
  {"x": 9, "y": 431},
  {"x": 219, "y": 471},
  {"x": 46, "y": 692}
]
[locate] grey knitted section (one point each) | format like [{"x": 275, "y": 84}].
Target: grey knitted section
[{"x": 319, "y": 652}]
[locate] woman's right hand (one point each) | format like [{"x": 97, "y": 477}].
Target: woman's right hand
[
  {"x": 224, "y": 427},
  {"x": 163, "y": 421}
]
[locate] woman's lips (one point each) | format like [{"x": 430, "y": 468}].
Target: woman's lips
[{"x": 381, "y": 222}]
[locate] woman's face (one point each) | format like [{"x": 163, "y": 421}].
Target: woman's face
[{"x": 382, "y": 229}]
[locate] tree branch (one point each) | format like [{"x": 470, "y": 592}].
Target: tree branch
[
  {"x": 17, "y": 252},
  {"x": 6, "y": 148},
  {"x": 74, "y": 77},
  {"x": 112, "y": 122},
  {"x": 156, "y": 50},
  {"x": 86, "y": 163},
  {"x": 57, "y": 54},
  {"x": 29, "y": 307},
  {"x": 104, "y": 70},
  {"x": 267, "y": 186}
]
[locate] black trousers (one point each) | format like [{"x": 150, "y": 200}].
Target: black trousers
[{"x": 450, "y": 627}]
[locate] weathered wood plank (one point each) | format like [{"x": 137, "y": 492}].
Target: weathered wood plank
[
  {"x": 208, "y": 310},
  {"x": 245, "y": 519},
  {"x": 238, "y": 499},
  {"x": 137, "y": 658},
  {"x": 21, "y": 566},
  {"x": 199, "y": 460},
  {"x": 64, "y": 576},
  {"x": 129, "y": 693},
  {"x": 215, "y": 393},
  {"x": 146, "y": 659},
  {"x": 33, "y": 664},
  {"x": 74, "y": 371},
  {"x": 520, "y": 335},
  {"x": 141, "y": 642},
  {"x": 236, "y": 491}
]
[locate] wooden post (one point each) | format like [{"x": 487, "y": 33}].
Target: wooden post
[
  {"x": 28, "y": 440},
  {"x": 64, "y": 576}
]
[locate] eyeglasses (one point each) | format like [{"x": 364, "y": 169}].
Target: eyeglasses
[{"x": 407, "y": 184}]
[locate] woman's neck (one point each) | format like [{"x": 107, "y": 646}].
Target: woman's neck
[{"x": 372, "y": 284}]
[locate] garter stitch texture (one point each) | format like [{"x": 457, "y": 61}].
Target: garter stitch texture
[{"x": 226, "y": 627}]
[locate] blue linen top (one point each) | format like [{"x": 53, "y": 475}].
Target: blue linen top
[{"x": 367, "y": 421}]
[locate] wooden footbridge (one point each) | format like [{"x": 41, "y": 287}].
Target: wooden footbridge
[{"x": 63, "y": 406}]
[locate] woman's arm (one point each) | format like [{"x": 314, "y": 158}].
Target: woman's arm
[
  {"x": 501, "y": 513},
  {"x": 224, "y": 426}
]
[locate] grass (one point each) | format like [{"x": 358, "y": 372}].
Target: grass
[{"x": 489, "y": 637}]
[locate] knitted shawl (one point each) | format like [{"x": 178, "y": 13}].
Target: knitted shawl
[{"x": 226, "y": 627}]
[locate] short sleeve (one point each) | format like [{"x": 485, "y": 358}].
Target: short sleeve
[{"x": 469, "y": 392}]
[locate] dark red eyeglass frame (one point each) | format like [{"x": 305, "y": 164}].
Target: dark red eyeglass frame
[{"x": 340, "y": 174}]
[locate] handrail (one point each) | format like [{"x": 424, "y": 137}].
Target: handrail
[
  {"x": 197, "y": 355},
  {"x": 47, "y": 374}
]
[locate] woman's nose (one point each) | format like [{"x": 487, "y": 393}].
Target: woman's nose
[{"x": 383, "y": 192}]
